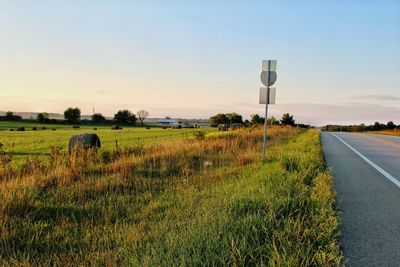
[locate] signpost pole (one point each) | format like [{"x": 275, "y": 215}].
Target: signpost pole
[
  {"x": 268, "y": 78},
  {"x": 266, "y": 115},
  {"x": 265, "y": 129}
]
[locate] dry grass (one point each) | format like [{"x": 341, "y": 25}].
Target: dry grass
[
  {"x": 387, "y": 132},
  {"x": 193, "y": 202}
]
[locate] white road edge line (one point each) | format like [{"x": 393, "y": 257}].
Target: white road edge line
[{"x": 379, "y": 169}]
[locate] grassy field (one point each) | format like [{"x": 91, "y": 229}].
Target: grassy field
[
  {"x": 387, "y": 132},
  {"x": 40, "y": 143},
  {"x": 191, "y": 203}
]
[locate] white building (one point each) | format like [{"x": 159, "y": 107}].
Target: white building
[{"x": 168, "y": 122}]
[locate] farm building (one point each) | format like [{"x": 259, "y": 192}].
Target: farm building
[{"x": 169, "y": 122}]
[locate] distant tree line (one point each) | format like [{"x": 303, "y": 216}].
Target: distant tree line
[
  {"x": 255, "y": 119},
  {"x": 73, "y": 116},
  {"x": 377, "y": 126},
  {"x": 10, "y": 117}
]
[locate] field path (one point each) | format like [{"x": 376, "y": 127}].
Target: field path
[{"x": 366, "y": 170}]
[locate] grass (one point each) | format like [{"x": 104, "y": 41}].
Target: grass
[
  {"x": 22, "y": 145},
  {"x": 161, "y": 205},
  {"x": 387, "y": 132}
]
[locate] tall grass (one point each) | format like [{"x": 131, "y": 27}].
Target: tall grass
[{"x": 194, "y": 202}]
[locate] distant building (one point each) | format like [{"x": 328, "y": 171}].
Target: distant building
[{"x": 168, "y": 122}]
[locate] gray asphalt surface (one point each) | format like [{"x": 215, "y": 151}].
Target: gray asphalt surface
[{"x": 369, "y": 202}]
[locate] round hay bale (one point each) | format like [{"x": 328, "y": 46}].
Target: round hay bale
[
  {"x": 44, "y": 128},
  {"x": 94, "y": 129},
  {"x": 116, "y": 127},
  {"x": 21, "y": 129},
  {"x": 34, "y": 129},
  {"x": 53, "y": 129},
  {"x": 85, "y": 141},
  {"x": 76, "y": 127},
  {"x": 11, "y": 130}
]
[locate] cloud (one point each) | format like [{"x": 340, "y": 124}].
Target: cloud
[{"x": 377, "y": 98}]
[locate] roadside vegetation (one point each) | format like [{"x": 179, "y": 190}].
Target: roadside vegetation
[
  {"x": 387, "y": 132},
  {"x": 377, "y": 126},
  {"x": 192, "y": 202}
]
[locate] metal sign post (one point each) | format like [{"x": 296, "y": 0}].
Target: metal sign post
[{"x": 267, "y": 94}]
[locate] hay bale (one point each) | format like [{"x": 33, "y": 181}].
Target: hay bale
[
  {"x": 34, "y": 129},
  {"x": 76, "y": 127},
  {"x": 85, "y": 141},
  {"x": 94, "y": 129},
  {"x": 44, "y": 128},
  {"x": 53, "y": 129},
  {"x": 116, "y": 127},
  {"x": 148, "y": 128},
  {"x": 21, "y": 129},
  {"x": 11, "y": 130}
]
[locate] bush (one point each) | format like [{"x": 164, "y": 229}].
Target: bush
[
  {"x": 200, "y": 135},
  {"x": 116, "y": 127}
]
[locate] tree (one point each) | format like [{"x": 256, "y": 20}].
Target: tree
[
  {"x": 273, "y": 121},
  {"x": 142, "y": 115},
  {"x": 98, "y": 117},
  {"x": 287, "y": 119},
  {"x": 256, "y": 119},
  {"x": 42, "y": 117},
  {"x": 220, "y": 118},
  {"x": 377, "y": 126},
  {"x": 125, "y": 116},
  {"x": 72, "y": 115},
  {"x": 11, "y": 117},
  {"x": 234, "y": 118},
  {"x": 390, "y": 125}
]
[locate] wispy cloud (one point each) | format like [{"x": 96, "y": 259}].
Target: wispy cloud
[{"x": 375, "y": 98}]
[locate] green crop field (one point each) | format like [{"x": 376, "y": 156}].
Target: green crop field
[
  {"x": 39, "y": 143},
  {"x": 191, "y": 202}
]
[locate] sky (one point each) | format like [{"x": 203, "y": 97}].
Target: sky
[{"x": 338, "y": 61}]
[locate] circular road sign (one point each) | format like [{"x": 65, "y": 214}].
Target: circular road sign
[{"x": 264, "y": 77}]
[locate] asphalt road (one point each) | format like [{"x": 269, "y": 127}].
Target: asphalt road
[{"x": 367, "y": 182}]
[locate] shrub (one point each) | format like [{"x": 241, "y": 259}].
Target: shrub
[
  {"x": 200, "y": 135},
  {"x": 116, "y": 127}
]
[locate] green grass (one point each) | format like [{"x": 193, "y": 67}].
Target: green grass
[
  {"x": 39, "y": 143},
  {"x": 162, "y": 206}
]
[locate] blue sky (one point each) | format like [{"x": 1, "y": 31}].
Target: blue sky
[{"x": 338, "y": 61}]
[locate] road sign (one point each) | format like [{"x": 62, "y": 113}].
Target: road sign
[
  {"x": 264, "y": 77},
  {"x": 267, "y": 98},
  {"x": 267, "y": 94},
  {"x": 269, "y": 65}
]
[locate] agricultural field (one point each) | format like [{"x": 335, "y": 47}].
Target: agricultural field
[
  {"x": 191, "y": 202},
  {"x": 40, "y": 143}
]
